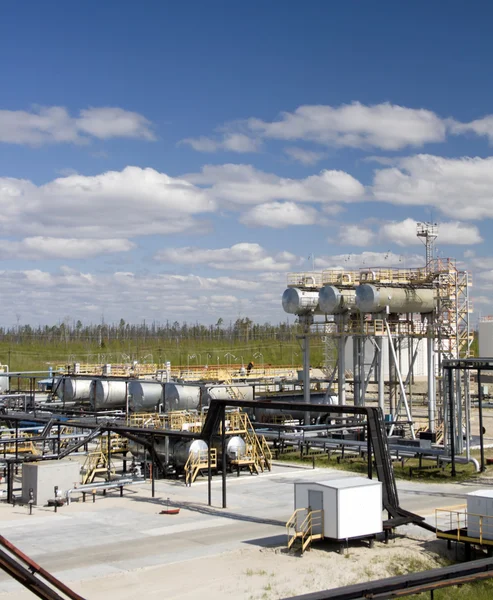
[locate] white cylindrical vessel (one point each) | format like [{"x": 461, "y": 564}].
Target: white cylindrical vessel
[
  {"x": 181, "y": 397},
  {"x": 72, "y": 389},
  {"x": 181, "y": 450},
  {"x": 299, "y": 302},
  {"x": 107, "y": 393},
  {"x": 227, "y": 392},
  {"x": 334, "y": 301},
  {"x": 178, "y": 451},
  {"x": 235, "y": 447},
  {"x": 144, "y": 396},
  {"x": 373, "y": 298}
]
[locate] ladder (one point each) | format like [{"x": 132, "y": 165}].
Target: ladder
[
  {"x": 198, "y": 462},
  {"x": 301, "y": 525}
]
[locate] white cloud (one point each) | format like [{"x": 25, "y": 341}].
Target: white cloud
[
  {"x": 243, "y": 256},
  {"x": 230, "y": 141},
  {"x": 54, "y": 124},
  {"x": 42, "y": 248},
  {"x": 305, "y": 157},
  {"x": 482, "y": 127},
  {"x": 38, "y": 296},
  {"x": 111, "y": 122},
  {"x": 355, "y": 235},
  {"x": 459, "y": 187},
  {"x": 279, "y": 215},
  {"x": 403, "y": 233},
  {"x": 368, "y": 259},
  {"x": 115, "y": 204},
  {"x": 386, "y": 126},
  {"x": 243, "y": 184}
]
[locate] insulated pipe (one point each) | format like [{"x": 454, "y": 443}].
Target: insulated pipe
[{"x": 373, "y": 298}]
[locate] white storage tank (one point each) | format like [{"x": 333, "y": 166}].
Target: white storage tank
[
  {"x": 228, "y": 392},
  {"x": 375, "y": 298},
  {"x": 299, "y": 302},
  {"x": 108, "y": 393},
  {"x": 352, "y": 505},
  {"x": 181, "y": 397},
  {"x": 181, "y": 450},
  {"x": 235, "y": 447},
  {"x": 480, "y": 514},
  {"x": 144, "y": 396},
  {"x": 72, "y": 389},
  {"x": 334, "y": 301}
]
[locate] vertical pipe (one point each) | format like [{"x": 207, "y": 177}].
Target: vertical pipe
[
  {"x": 209, "y": 473},
  {"x": 306, "y": 374},
  {"x": 16, "y": 445},
  {"x": 431, "y": 383},
  {"x": 10, "y": 482},
  {"x": 481, "y": 434},
  {"x": 356, "y": 373},
  {"x": 368, "y": 442},
  {"x": 341, "y": 364},
  {"x": 109, "y": 453},
  {"x": 380, "y": 374},
  {"x": 452, "y": 418},
  {"x": 153, "y": 468},
  {"x": 126, "y": 403},
  {"x": 467, "y": 407},
  {"x": 223, "y": 449}
]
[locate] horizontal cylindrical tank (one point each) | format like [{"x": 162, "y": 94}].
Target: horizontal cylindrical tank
[
  {"x": 235, "y": 447},
  {"x": 268, "y": 415},
  {"x": 373, "y": 298},
  {"x": 178, "y": 451},
  {"x": 71, "y": 389},
  {"x": 144, "y": 396},
  {"x": 334, "y": 301},
  {"x": 299, "y": 302},
  {"x": 181, "y": 450},
  {"x": 181, "y": 397},
  {"x": 108, "y": 393},
  {"x": 227, "y": 392}
]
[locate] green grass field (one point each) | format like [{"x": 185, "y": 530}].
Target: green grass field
[{"x": 39, "y": 356}]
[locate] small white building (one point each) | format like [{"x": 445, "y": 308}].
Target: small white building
[
  {"x": 352, "y": 506},
  {"x": 480, "y": 514}
]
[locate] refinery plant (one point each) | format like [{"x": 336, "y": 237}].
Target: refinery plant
[{"x": 398, "y": 384}]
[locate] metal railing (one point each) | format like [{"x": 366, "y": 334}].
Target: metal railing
[{"x": 458, "y": 524}]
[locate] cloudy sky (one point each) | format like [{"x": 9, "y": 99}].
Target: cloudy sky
[{"x": 175, "y": 160}]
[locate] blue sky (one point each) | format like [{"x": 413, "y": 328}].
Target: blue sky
[{"x": 168, "y": 160}]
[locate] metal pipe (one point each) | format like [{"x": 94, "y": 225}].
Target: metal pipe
[
  {"x": 431, "y": 383},
  {"x": 306, "y": 374},
  {"x": 380, "y": 375},
  {"x": 223, "y": 449},
  {"x": 452, "y": 419},
  {"x": 481, "y": 429},
  {"x": 341, "y": 364}
]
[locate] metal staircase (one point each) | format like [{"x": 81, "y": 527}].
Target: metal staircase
[
  {"x": 198, "y": 462},
  {"x": 303, "y": 527}
]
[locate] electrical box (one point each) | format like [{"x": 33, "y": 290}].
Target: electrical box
[
  {"x": 352, "y": 506},
  {"x": 42, "y": 477}
]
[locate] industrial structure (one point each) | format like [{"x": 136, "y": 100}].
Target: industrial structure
[{"x": 393, "y": 320}]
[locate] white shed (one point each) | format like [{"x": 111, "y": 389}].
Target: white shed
[
  {"x": 352, "y": 506},
  {"x": 480, "y": 514}
]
